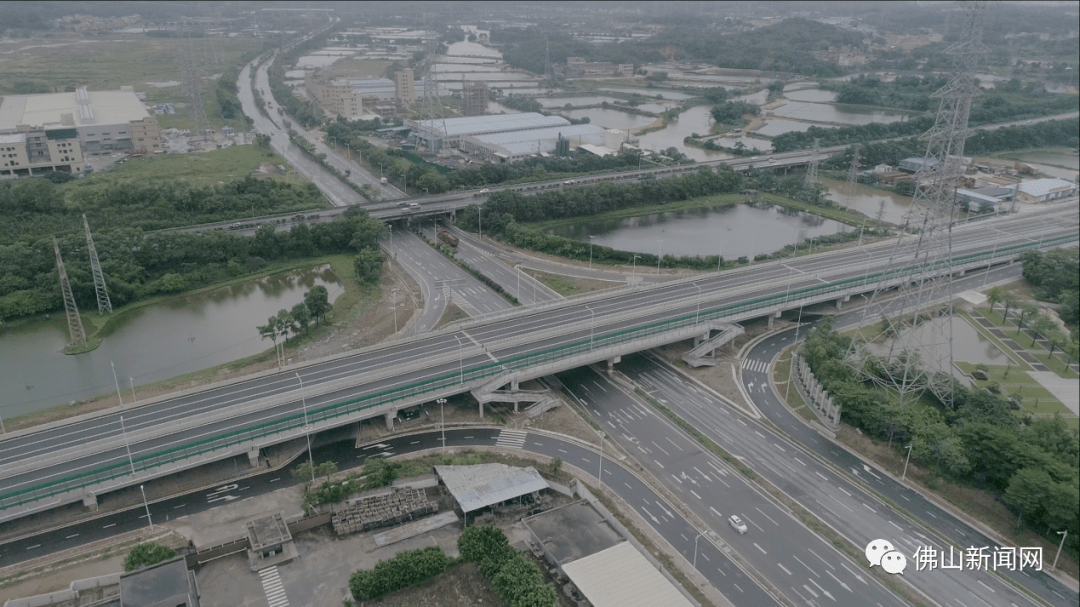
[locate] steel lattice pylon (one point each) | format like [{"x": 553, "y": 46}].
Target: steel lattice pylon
[
  {"x": 903, "y": 357},
  {"x": 192, "y": 84},
  {"x": 75, "y": 328},
  {"x": 812, "y": 166},
  {"x": 853, "y": 173},
  {"x": 432, "y": 112},
  {"x": 103, "y": 303}
]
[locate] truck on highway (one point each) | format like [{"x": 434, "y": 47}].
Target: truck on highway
[
  {"x": 280, "y": 112},
  {"x": 447, "y": 237},
  {"x": 286, "y": 122},
  {"x": 382, "y": 180}
]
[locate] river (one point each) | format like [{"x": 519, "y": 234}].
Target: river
[{"x": 149, "y": 344}]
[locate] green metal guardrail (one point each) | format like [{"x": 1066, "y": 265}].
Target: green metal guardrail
[{"x": 294, "y": 422}]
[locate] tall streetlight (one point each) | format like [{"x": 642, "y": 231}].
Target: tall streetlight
[
  {"x": 633, "y": 272},
  {"x": 1063, "y": 534},
  {"x": 591, "y": 236},
  {"x": 380, "y": 172},
  {"x": 479, "y": 224},
  {"x": 592, "y": 323},
  {"x": 147, "y": 506},
  {"x": 696, "y": 538},
  {"x": 601, "y": 473},
  {"x": 518, "y": 292},
  {"x": 697, "y": 317},
  {"x": 307, "y": 429},
  {"x": 906, "y": 460},
  {"x": 131, "y": 382},
  {"x": 720, "y": 255},
  {"x": 461, "y": 365},
  {"x": 127, "y": 445},
  {"x": 117, "y": 384},
  {"x": 442, "y": 420},
  {"x": 659, "y": 254},
  {"x": 393, "y": 300}
]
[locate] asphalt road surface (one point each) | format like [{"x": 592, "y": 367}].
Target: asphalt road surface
[
  {"x": 714, "y": 564},
  {"x": 988, "y": 588},
  {"x": 505, "y": 338},
  {"x": 798, "y": 562}
]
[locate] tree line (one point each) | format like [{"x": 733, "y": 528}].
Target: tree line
[
  {"x": 138, "y": 265},
  {"x": 1030, "y": 464}
]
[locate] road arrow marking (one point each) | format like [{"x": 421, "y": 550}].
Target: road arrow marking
[
  {"x": 842, "y": 584},
  {"x": 867, "y": 468},
  {"x": 857, "y": 576}
]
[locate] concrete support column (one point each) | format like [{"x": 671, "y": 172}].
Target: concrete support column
[
  {"x": 90, "y": 501},
  {"x": 253, "y": 457},
  {"x": 840, "y": 303},
  {"x": 481, "y": 410},
  {"x": 390, "y": 420},
  {"x": 515, "y": 385},
  {"x": 611, "y": 363}
]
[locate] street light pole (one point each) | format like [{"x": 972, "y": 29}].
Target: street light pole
[
  {"x": 127, "y": 445},
  {"x": 1063, "y": 534},
  {"x": 480, "y": 224},
  {"x": 697, "y": 317},
  {"x": 906, "y": 460},
  {"x": 461, "y": 367},
  {"x": 131, "y": 382},
  {"x": 117, "y": 384},
  {"x": 393, "y": 300},
  {"x": 592, "y": 323},
  {"x": 518, "y": 292},
  {"x": 590, "y": 250},
  {"x": 442, "y": 420},
  {"x": 147, "y": 506},
  {"x": 696, "y": 538},
  {"x": 720, "y": 256},
  {"x": 307, "y": 429},
  {"x": 659, "y": 254},
  {"x": 601, "y": 473}
]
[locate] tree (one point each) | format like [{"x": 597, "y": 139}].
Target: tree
[
  {"x": 368, "y": 266},
  {"x": 555, "y": 466},
  {"x": 317, "y": 302},
  {"x": 326, "y": 469},
  {"x": 284, "y": 323},
  {"x": 995, "y": 296},
  {"x": 301, "y": 316},
  {"x": 269, "y": 330},
  {"x": 147, "y": 554},
  {"x": 303, "y": 471}
]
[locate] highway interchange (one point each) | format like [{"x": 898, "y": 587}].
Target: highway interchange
[{"x": 853, "y": 510}]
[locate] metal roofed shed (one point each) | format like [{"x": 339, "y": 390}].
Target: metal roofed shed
[
  {"x": 453, "y": 129},
  {"x": 475, "y": 487},
  {"x": 621, "y": 577}
]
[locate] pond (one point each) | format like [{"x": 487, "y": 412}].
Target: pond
[
  {"x": 774, "y": 127},
  {"x": 694, "y": 120},
  {"x": 821, "y": 112},
  {"x": 869, "y": 201},
  {"x": 150, "y": 344},
  {"x": 610, "y": 119},
  {"x": 968, "y": 346},
  {"x": 664, "y": 94},
  {"x": 811, "y": 95},
  {"x": 732, "y": 231},
  {"x": 558, "y": 102},
  {"x": 758, "y": 98}
]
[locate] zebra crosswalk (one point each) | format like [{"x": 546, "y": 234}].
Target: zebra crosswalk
[
  {"x": 271, "y": 583},
  {"x": 514, "y": 439},
  {"x": 755, "y": 365}
]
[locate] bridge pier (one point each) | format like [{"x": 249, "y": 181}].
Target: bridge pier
[
  {"x": 840, "y": 302},
  {"x": 390, "y": 420},
  {"x": 611, "y": 363},
  {"x": 253, "y": 457},
  {"x": 90, "y": 501},
  {"x": 481, "y": 409},
  {"x": 774, "y": 316}
]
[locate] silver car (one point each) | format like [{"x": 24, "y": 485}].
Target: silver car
[{"x": 737, "y": 524}]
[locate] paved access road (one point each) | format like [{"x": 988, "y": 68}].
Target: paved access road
[
  {"x": 720, "y": 571},
  {"x": 900, "y": 530},
  {"x": 24, "y": 454},
  {"x": 798, "y": 562}
]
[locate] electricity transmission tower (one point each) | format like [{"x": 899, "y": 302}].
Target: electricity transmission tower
[
  {"x": 910, "y": 360},
  {"x": 192, "y": 84},
  {"x": 75, "y": 328},
  {"x": 103, "y": 304},
  {"x": 811, "y": 168},
  {"x": 853, "y": 173},
  {"x": 432, "y": 114}
]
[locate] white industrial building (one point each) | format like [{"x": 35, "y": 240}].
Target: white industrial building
[
  {"x": 517, "y": 145},
  {"x": 451, "y": 131},
  {"x": 1044, "y": 190},
  {"x": 102, "y": 120}
]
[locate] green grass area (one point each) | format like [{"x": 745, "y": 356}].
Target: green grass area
[
  {"x": 782, "y": 376},
  {"x": 1055, "y": 364},
  {"x": 563, "y": 285},
  {"x": 205, "y": 169},
  {"x": 67, "y": 59}
]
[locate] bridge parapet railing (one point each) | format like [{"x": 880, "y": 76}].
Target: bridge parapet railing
[{"x": 468, "y": 377}]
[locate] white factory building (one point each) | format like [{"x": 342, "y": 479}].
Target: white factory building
[{"x": 512, "y": 137}]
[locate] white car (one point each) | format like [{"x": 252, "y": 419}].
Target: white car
[
  {"x": 772, "y": 160},
  {"x": 737, "y": 524},
  {"x": 484, "y": 191}
]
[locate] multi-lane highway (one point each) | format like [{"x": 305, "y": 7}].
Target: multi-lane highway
[
  {"x": 863, "y": 525},
  {"x": 35, "y": 460},
  {"x": 714, "y": 563}
]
